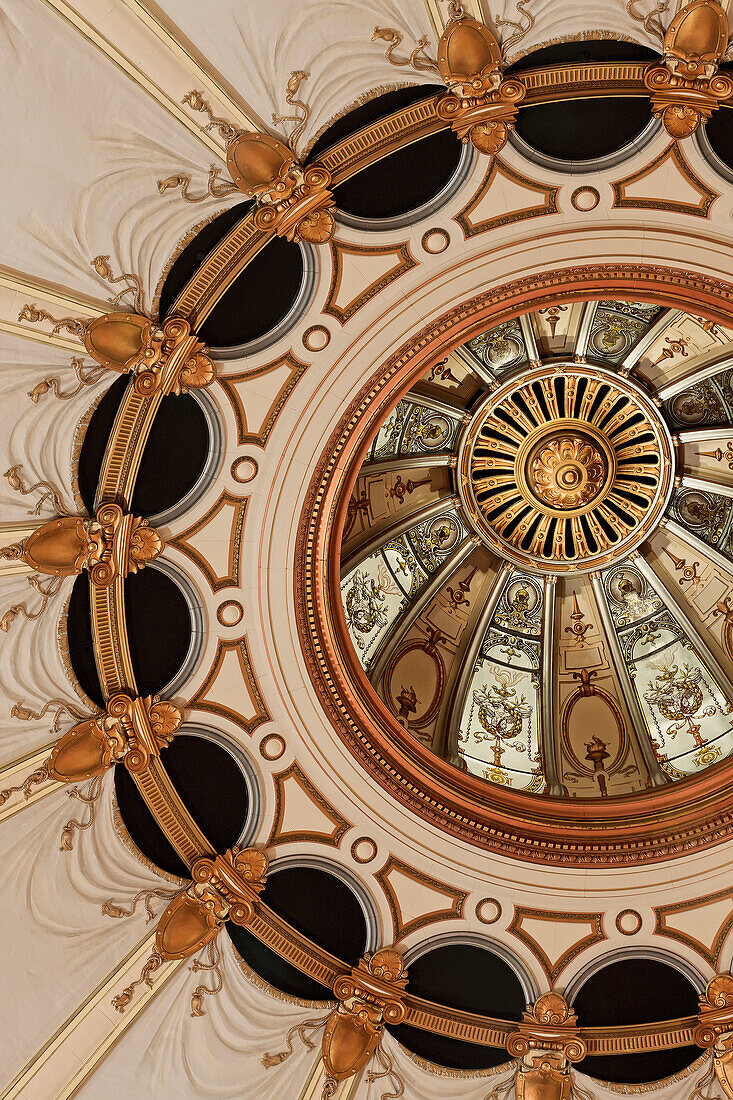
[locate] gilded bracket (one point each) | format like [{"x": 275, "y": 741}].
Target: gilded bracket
[
  {"x": 686, "y": 86},
  {"x": 370, "y": 996},
  {"x": 225, "y": 887},
  {"x": 480, "y": 106},
  {"x": 167, "y": 358},
  {"x": 111, "y": 545},
  {"x": 293, "y": 201},
  {"x": 546, "y": 1043},
  {"x": 715, "y": 1028},
  {"x": 131, "y": 731}
]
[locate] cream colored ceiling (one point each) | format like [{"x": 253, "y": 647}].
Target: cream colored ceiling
[{"x": 92, "y": 115}]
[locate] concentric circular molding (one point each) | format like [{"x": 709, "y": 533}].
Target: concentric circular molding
[
  {"x": 625, "y": 830},
  {"x": 565, "y": 468},
  {"x": 677, "y": 827}
]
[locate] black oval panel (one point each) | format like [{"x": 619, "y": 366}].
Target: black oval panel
[
  {"x": 466, "y": 977},
  {"x": 158, "y": 631},
  {"x": 719, "y": 130},
  {"x": 212, "y": 787},
  {"x": 158, "y": 628},
  {"x": 321, "y": 907},
  {"x": 79, "y": 638},
  {"x": 636, "y": 991},
  {"x": 583, "y": 129},
  {"x": 257, "y": 301},
  {"x": 403, "y": 181},
  {"x": 173, "y": 459}
]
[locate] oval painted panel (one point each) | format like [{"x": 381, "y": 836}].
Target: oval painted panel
[
  {"x": 414, "y": 682},
  {"x": 588, "y": 717}
]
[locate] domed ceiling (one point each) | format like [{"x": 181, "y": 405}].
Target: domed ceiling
[
  {"x": 366, "y": 575},
  {"x": 525, "y": 541}
]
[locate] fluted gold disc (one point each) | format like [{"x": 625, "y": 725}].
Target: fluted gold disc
[{"x": 566, "y": 467}]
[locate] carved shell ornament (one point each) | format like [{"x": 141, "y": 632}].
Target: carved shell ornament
[
  {"x": 145, "y": 544},
  {"x": 687, "y": 87}
]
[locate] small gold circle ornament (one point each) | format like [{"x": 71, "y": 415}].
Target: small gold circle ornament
[
  {"x": 435, "y": 241},
  {"x": 628, "y": 922},
  {"x": 244, "y": 469},
  {"x": 363, "y": 850},
  {"x": 566, "y": 467},
  {"x": 229, "y": 613},
  {"x": 272, "y": 747},
  {"x": 316, "y": 338},
  {"x": 488, "y": 910},
  {"x": 585, "y": 199}
]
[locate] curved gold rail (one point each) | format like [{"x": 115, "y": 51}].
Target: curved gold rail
[{"x": 117, "y": 480}]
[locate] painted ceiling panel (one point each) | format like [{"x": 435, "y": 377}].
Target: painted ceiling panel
[
  {"x": 480, "y": 681},
  {"x": 40, "y": 436},
  {"x": 33, "y": 671},
  {"x": 243, "y": 1023}
]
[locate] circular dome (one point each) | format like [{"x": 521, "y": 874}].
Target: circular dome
[
  {"x": 565, "y": 468},
  {"x": 518, "y": 566}
]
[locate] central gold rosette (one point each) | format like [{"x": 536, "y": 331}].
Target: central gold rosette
[
  {"x": 565, "y": 468},
  {"x": 567, "y": 472}
]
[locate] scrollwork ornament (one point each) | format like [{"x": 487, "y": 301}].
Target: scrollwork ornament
[
  {"x": 219, "y": 891},
  {"x": 480, "y": 106},
  {"x": 686, "y": 86},
  {"x": 167, "y": 358},
  {"x": 545, "y": 1045},
  {"x": 370, "y": 996},
  {"x": 293, "y": 201},
  {"x": 131, "y": 731},
  {"x": 112, "y": 544}
]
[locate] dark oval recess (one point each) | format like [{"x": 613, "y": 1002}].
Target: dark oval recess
[
  {"x": 636, "y": 991},
  {"x": 719, "y": 130},
  {"x": 466, "y": 977},
  {"x": 158, "y": 631},
  {"x": 583, "y": 129},
  {"x": 321, "y": 907},
  {"x": 158, "y": 628},
  {"x": 257, "y": 301},
  {"x": 403, "y": 181},
  {"x": 584, "y": 50},
  {"x": 173, "y": 459},
  {"x": 79, "y": 638},
  {"x": 212, "y": 787}
]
